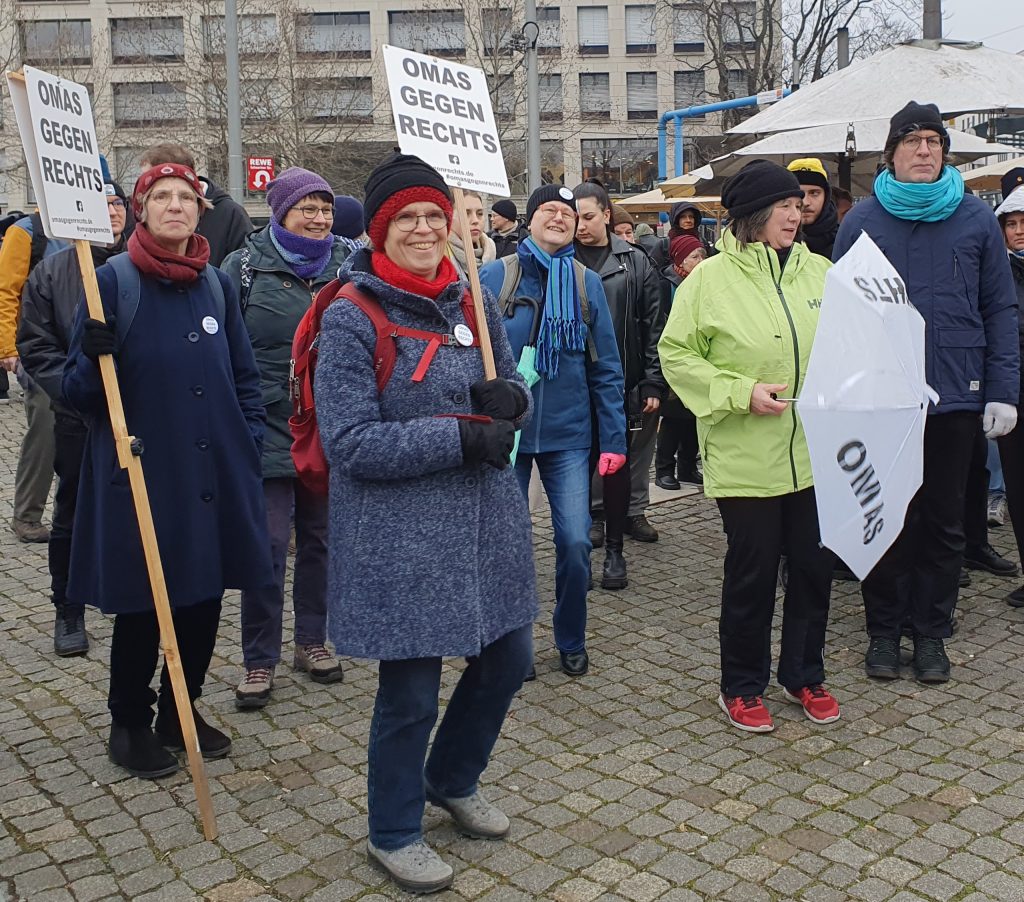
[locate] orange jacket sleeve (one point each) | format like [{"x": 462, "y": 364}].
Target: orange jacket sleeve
[{"x": 15, "y": 257}]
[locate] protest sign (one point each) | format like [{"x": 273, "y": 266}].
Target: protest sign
[
  {"x": 57, "y": 130},
  {"x": 443, "y": 115}
]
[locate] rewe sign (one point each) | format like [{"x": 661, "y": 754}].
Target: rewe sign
[
  {"x": 261, "y": 172},
  {"x": 443, "y": 115},
  {"x": 57, "y": 130}
]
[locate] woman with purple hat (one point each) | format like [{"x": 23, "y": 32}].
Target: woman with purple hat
[{"x": 277, "y": 272}]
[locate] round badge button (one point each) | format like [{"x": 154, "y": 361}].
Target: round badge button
[
  {"x": 210, "y": 325},
  {"x": 463, "y": 335},
  {"x": 565, "y": 193}
]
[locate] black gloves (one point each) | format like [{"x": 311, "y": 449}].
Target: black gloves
[
  {"x": 99, "y": 338},
  {"x": 498, "y": 398},
  {"x": 487, "y": 443}
]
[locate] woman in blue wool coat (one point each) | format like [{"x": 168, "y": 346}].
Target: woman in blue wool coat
[
  {"x": 191, "y": 394},
  {"x": 430, "y": 554}
]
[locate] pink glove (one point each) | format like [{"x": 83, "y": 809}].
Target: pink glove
[{"x": 610, "y": 463}]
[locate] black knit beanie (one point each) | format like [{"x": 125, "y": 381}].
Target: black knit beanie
[
  {"x": 758, "y": 185},
  {"x": 505, "y": 208},
  {"x": 399, "y": 173},
  {"x": 915, "y": 117},
  {"x": 547, "y": 193},
  {"x": 1011, "y": 180}
]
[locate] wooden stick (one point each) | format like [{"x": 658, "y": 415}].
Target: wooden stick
[
  {"x": 133, "y": 464},
  {"x": 483, "y": 332}
]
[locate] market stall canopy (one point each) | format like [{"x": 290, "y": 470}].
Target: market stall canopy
[
  {"x": 959, "y": 77},
  {"x": 657, "y": 202},
  {"x": 829, "y": 144},
  {"x": 986, "y": 178}
]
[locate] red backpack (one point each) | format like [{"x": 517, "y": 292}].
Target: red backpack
[{"x": 307, "y": 452}]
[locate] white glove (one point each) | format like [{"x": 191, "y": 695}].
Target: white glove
[{"x": 999, "y": 419}]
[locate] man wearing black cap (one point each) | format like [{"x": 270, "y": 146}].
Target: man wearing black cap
[
  {"x": 506, "y": 230},
  {"x": 948, "y": 249},
  {"x": 820, "y": 220},
  {"x": 48, "y": 306}
]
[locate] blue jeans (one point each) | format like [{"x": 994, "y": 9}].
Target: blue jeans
[
  {"x": 403, "y": 716},
  {"x": 566, "y": 479},
  {"x": 263, "y": 609},
  {"x": 996, "y": 486}
]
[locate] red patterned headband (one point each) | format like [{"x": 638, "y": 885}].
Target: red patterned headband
[{"x": 162, "y": 171}]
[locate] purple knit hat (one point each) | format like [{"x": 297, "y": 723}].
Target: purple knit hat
[{"x": 290, "y": 187}]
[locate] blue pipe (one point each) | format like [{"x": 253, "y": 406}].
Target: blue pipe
[{"x": 677, "y": 116}]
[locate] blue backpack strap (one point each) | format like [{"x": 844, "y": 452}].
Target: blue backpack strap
[{"x": 129, "y": 290}]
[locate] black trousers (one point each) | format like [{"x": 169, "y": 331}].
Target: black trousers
[
  {"x": 976, "y": 493},
  {"x": 676, "y": 454},
  {"x": 615, "y": 490},
  {"x": 757, "y": 530},
  {"x": 133, "y": 657},
  {"x": 916, "y": 579},
  {"x": 69, "y": 435},
  {"x": 1011, "y": 455}
]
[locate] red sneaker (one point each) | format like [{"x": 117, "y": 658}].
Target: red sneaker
[
  {"x": 817, "y": 702},
  {"x": 747, "y": 713}
]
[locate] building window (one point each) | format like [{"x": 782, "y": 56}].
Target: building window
[
  {"x": 551, "y": 97},
  {"x": 549, "y": 41},
  {"x": 149, "y": 103},
  {"x": 641, "y": 36},
  {"x": 144, "y": 40},
  {"x": 595, "y": 96},
  {"x": 67, "y": 41},
  {"x": 689, "y": 29},
  {"x": 258, "y": 98},
  {"x": 690, "y": 90},
  {"x": 641, "y": 95},
  {"x": 336, "y": 100},
  {"x": 257, "y": 36},
  {"x": 333, "y": 36},
  {"x": 739, "y": 83},
  {"x": 739, "y": 24},
  {"x": 504, "y": 96},
  {"x": 593, "y": 30},
  {"x": 624, "y": 165},
  {"x": 126, "y": 164},
  {"x": 440, "y": 32},
  {"x": 498, "y": 31}
]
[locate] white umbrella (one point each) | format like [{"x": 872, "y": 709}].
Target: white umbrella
[
  {"x": 957, "y": 77},
  {"x": 863, "y": 406},
  {"x": 829, "y": 144}
]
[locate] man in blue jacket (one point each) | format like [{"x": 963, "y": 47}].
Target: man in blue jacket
[
  {"x": 947, "y": 247},
  {"x": 579, "y": 366}
]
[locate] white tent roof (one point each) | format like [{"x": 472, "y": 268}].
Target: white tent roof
[{"x": 957, "y": 77}]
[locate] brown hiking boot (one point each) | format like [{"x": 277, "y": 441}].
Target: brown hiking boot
[{"x": 30, "y": 532}]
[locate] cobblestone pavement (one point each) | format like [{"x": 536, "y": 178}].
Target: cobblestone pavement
[{"x": 626, "y": 784}]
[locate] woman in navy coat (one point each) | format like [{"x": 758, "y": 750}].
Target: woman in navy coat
[{"x": 191, "y": 394}]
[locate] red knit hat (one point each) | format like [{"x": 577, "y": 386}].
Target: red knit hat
[
  {"x": 162, "y": 171},
  {"x": 377, "y": 228},
  {"x": 682, "y": 246}
]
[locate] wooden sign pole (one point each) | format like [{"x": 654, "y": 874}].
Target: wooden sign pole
[
  {"x": 133, "y": 464},
  {"x": 483, "y": 332}
]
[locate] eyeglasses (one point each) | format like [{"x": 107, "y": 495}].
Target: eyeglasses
[
  {"x": 311, "y": 211},
  {"x": 164, "y": 198},
  {"x": 913, "y": 142},
  {"x": 115, "y": 202},
  {"x": 407, "y": 222},
  {"x": 557, "y": 210}
]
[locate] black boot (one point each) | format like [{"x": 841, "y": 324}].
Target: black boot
[
  {"x": 614, "y": 575},
  {"x": 139, "y": 752},
  {"x": 212, "y": 742},
  {"x": 69, "y": 636}
]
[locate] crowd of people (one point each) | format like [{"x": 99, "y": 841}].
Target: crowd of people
[{"x": 641, "y": 350}]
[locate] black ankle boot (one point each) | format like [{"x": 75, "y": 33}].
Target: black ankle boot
[
  {"x": 212, "y": 742},
  {"x": 614, "y": 575},
  {"x": 139, "y": 752}
]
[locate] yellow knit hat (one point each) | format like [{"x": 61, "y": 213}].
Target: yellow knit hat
[{"x": 809, "y": 171}]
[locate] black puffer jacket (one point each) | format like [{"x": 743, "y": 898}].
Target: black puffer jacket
[
  {"x": 49, "y": 302},
  {"x": 1017, "y": 268},
  {"x": 634, "y": 291}
]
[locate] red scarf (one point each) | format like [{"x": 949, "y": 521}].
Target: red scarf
[
  {"x": 154, "y": 260},
  {"x": 402, "y": 279}
]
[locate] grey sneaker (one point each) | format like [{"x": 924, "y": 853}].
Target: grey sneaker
[
  {"x": 319, "y": 663},
  {"x": 473, "y": 815},
  {"x": 69, "y": 636},
  {"x": 416, "y": 867},
  {"x": 254, "y": 690},
  {"x": 996, "y": 510}
]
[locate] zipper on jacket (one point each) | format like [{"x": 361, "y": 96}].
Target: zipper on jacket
[{"x": 796, "y": 365}]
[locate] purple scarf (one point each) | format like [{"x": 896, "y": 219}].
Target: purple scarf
[{"x": 307, "y": 257}]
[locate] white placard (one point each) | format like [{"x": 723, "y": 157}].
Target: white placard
[
  {"x": 57, "y": 130},
  {"x": 443, "y": 115}
]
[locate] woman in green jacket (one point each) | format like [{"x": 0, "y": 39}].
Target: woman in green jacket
[
  {"x": 735, "y": 347},
  {"x": 277, "y": 272}
]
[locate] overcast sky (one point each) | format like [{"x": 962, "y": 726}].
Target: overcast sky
[{"x": 999, "y": 23}]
